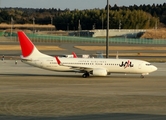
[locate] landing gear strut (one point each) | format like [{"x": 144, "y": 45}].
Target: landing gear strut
[
  {"x": 85, "y": 75},
  {"x": 142, "y": 76}
]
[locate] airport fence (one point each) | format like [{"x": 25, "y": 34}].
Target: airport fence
[
  {"x": 2, "y": 33},
  {"x": 74, "y": 39}
]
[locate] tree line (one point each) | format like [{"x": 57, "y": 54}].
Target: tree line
[{"x": 132, "y": 17}]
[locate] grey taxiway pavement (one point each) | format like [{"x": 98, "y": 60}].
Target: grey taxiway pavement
[{"x": 31, "y": 93}]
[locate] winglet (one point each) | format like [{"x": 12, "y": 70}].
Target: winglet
[
  {"x": 58, "y": 61},
  {"x": 74, "y": 55},
  {"x": 25, "y": 43}
]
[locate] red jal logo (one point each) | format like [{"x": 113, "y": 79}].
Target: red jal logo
[{"x": 126, "y": 64}]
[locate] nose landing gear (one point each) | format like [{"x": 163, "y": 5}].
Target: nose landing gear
[{"x": 142, "y": 76}]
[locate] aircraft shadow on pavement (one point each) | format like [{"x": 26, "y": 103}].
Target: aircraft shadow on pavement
[
  {"x": 77, "y": 75},
  {"x": 111, "y": 116},
  {"x": 40, "y": 75}
]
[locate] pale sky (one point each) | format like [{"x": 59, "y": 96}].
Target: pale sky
[{"x": 73, "y": 4}]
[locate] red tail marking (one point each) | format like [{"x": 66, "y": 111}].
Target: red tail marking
[
  {"x": 26, "y": 45},
  {"x": 74, "y": 55},
  {"x": 58, "y": 61}
]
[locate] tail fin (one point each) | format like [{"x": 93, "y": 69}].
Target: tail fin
[
  {"x": 74, "y": 55},
  {"x": 27, "y": 47}
]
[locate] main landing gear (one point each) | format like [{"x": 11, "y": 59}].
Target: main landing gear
[
  {"x": 142, "y": 76},
  {"x": 85, "y": 75}
]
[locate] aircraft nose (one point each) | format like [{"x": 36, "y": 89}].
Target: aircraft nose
[{"x": 154, "y": 68}]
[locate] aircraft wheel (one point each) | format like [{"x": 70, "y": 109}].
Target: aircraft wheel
[
  {"x": 84, "y": 75},
  {"x": 87, "y": 74},
  {"x": 142, "y": 76}
]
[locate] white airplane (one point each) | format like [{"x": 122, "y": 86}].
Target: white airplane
[{"x": 87, "y": 66}]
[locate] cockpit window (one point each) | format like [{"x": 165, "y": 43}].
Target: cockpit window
[{"x": 148, "y": 64}]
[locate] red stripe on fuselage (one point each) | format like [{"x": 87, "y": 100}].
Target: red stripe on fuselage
[{"x": 26, "y": 45}]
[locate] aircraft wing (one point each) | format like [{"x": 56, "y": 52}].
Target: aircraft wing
[{"x": 81, "y": 68}]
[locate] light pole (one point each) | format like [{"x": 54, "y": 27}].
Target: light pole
[
  {"x": 33, "y": 25},
  {"x": 120, "y": 24},
  {"x": 11, "y": 31},
  {"x": 79, "y": 27},
  {"x": 102, "y": 20},
  {"x": 51, "y": 22},
  {"x": 107, "y": 38},
  {"x": 156, "y": 24},
  {"x": 67, "y": 26},
  {"x": 94, "y": 26}
]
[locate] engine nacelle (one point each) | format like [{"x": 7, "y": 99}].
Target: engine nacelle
[{"x": 99, "y": 72}]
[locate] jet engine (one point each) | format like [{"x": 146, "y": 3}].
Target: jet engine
[{"x": 99, "y": 72}]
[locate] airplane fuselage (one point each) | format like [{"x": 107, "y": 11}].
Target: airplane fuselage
[{"x": 110, "y": 65}]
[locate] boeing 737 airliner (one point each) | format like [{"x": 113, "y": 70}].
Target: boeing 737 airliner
[{"x": 87, "y": 66}]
